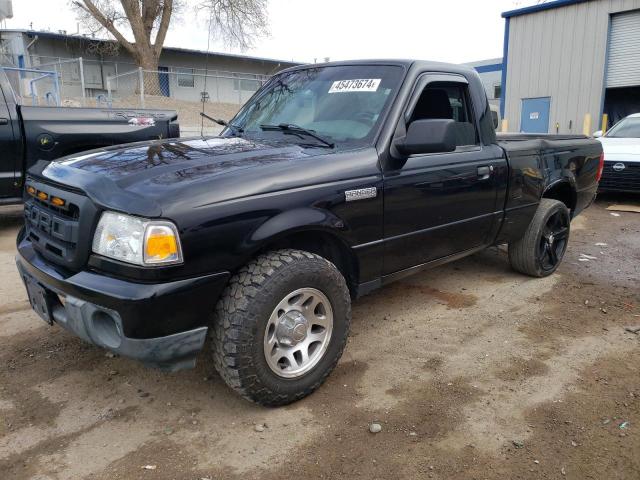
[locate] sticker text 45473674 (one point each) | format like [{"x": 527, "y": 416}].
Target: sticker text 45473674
[{"x": 355, "y": 85}]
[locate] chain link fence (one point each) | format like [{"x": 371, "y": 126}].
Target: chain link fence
[
  {"x": 81, "y": 82},
  {"x": 34, "y": 87},
  {"x": 73, "y": 82},
  {"x": 189, "y": 91}
]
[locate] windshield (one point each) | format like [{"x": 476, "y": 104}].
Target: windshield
[
  {"x": 626, "y": 128},
  {"x": 342, "y": 104}
]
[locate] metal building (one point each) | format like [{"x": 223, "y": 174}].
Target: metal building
[
  {"x": 569, "y": 61},
  {"x": 490, "y": 72}
]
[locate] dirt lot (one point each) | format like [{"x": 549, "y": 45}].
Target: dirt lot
[{"x": 473, "y": 371}]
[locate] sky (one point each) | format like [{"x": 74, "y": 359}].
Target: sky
[{"x": 454, "y": 31}]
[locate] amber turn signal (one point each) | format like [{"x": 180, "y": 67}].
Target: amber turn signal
[{"x": 161, "y": 245}]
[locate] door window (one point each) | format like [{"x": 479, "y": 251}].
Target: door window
[{"x": 449, "y": 101}]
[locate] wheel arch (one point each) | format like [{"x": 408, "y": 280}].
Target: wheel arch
[
  {"x": 315, "y": 231},
  {"x": 564, "y": 191}
]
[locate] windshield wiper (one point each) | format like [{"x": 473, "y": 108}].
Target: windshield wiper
[
  {"x": 297, "y": 130},
  {"x": 234, "y": 128}
]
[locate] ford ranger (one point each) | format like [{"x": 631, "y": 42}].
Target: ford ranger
[
  {"x": 332, "y": 181},
  {"x": 29, "y": 134}
]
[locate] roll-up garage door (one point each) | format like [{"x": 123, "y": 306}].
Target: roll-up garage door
[{"x": 623, "y": 66}]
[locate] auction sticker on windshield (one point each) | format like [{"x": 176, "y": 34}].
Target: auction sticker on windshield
[{"x": 356, "y": 85}]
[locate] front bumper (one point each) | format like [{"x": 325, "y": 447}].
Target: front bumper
[
  {"x": 620, "y": 177},
  {"x": 162, "y": 325}
]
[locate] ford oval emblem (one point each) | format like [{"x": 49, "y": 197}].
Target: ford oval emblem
[{"x": 618, "y": 167}]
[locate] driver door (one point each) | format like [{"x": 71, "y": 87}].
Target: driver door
[{"x": 440, "y": 204}]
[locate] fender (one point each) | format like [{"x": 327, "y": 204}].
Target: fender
[
  {"x": 563, "y": 189},
  {"x": 566, "y": 179},
  {"x": 299, "y": 220}
]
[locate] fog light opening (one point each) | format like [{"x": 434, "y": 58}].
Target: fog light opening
[{"x": 105, "y": 329}]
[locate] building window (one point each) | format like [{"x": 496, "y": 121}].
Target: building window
[
  {"x": 497, "y": 91},
  {"x": 246, "y": 85},
  {"x": 185, "y": 77}
]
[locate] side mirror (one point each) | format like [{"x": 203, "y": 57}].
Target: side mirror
[
  {"x": 428, "y": 136},
  {"x": 597, "y": 134}
]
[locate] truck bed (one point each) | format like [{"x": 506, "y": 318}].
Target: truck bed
[
  {"x": 506, "y": 137},
  {"x": 571, "y": 163}
]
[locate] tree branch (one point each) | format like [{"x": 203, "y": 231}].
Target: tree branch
[
  {"x": 167, "y": 10},
  {"x": 132, "y": 11},
  {"x": 89, "y": 7}
]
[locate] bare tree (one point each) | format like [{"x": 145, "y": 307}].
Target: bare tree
[
  {"x": 236, "y": 22},
  {"x": 147, "y": 20}
]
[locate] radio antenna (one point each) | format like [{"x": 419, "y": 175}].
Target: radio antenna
[{"x": 204, "y": 93}]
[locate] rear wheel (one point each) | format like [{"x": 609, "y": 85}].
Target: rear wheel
[
  {"x": 281, "y": 326},
  {"x": 540, "y": 251}
]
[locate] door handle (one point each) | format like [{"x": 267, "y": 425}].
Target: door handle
[
  {"x": 484, "y": 173},
  {"x": 4, "y": 121}
]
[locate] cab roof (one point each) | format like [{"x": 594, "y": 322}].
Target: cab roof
[{"x": 423, "y": 65}]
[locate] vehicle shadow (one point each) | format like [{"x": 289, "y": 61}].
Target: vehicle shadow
[
  {"x": 11, "y": 216},
  {"x": 619, "y": 198}
]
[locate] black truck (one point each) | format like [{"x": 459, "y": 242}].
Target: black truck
[
  {"x": 332, "y": 181},
  {"x": 29, "y": 134}
]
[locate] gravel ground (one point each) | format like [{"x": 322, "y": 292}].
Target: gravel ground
[{"x": 470, "y": 370}]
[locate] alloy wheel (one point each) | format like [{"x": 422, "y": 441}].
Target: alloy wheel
[{"x": 298, "y": 332}]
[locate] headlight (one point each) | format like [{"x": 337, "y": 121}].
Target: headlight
[{"x": 137, "y": 240}]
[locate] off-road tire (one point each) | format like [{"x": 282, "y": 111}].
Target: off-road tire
[
  {"x": 241, "y": 317},
  {"x": 523, "y": 252}
]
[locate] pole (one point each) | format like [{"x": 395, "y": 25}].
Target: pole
[
  {"x": 605, "y": 123},
  {"x": 586, "y": 125},
  {"x": 81, "y": 62},
  {"x": 141, "y": 82},
  {"x": 58, "y": 92}
]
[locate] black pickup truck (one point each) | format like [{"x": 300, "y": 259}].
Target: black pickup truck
[
  {"x": 332, "y": 181},
  {"x": 29, "y": 134}
]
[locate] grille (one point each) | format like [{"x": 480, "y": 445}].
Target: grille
[
  {"x": 59, "y": 233},
  {"x": 627, "y": 180}
]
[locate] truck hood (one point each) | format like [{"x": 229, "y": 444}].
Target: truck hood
[
  {"x": 152, "y": 178},
  {"x": 621, "y": 149}
]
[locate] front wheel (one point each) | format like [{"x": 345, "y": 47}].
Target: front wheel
[
  {"x": 539, "y": 252},
  {"x": 281, "y": 326}
]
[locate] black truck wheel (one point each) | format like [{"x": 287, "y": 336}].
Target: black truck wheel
[
  {"x": 281, "y": 326},
  {"x": 539, "y": 252}
]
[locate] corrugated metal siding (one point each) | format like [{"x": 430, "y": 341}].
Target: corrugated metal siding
[
  {"x": 560, "y": 53},
  {"x": 623, "y": 68}
]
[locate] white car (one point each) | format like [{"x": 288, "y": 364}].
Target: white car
[{"x": 621, "y": 146}]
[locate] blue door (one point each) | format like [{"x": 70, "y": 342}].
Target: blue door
[
  {"x": 535, "y": 115},
  {"x": 163, "y": 79}
]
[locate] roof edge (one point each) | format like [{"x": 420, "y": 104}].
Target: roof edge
[
  {"x": 540, "y": 7},
  {"x": 63, "y": 36}
]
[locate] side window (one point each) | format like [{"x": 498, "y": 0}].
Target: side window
[{"x": 451, "y": 101}]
